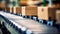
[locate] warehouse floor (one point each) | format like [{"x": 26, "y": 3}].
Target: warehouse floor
[{"x": 32, "y": 25}]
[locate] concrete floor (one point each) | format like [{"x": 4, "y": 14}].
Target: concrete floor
[{"x": 32, "y": 25}]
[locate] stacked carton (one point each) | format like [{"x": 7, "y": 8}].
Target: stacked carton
[{"x": 12, "y": 9}]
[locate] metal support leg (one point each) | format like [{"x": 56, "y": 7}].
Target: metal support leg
[
  {"x": 40, "y": 21},
  {"x": 50, "y": 23}
]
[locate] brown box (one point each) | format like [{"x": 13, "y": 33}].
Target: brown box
[
  {"x": 46, "y": 12},
  {"x": 23, "y": 2},
  {"x": 11, "y": 10},
  {"x": 18, "y": 10},
  {"x": 29, "y": 11},
  {"x": 3, "y": 4}
]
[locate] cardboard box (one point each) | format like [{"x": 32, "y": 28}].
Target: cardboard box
[
  {"x": 46, "y": 12},
  {"x": 58, "y": 16},
  {"x": 18, "y": 10},
  {"x": 3, "y": 4},
  {"x": 29, "y": 11},
  {"x": 9, "y": 9},
  {"x": 13, "y": 9},
  {"x": 24, "y": 2}
]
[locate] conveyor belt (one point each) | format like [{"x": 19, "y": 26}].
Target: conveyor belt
[
  {"x": 34, "y": 26},
  {"x": 0, "y": 31}
]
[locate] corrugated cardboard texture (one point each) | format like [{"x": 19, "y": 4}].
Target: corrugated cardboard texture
[
  {"x": 18, "y": 10},
  {"x": 46, "y": 12},
  {"x": 43, "y": 13},
  {"x": 30, "y": 11}
]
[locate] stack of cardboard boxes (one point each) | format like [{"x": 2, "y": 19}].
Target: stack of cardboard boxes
[{"x": 40, "y": 11}]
